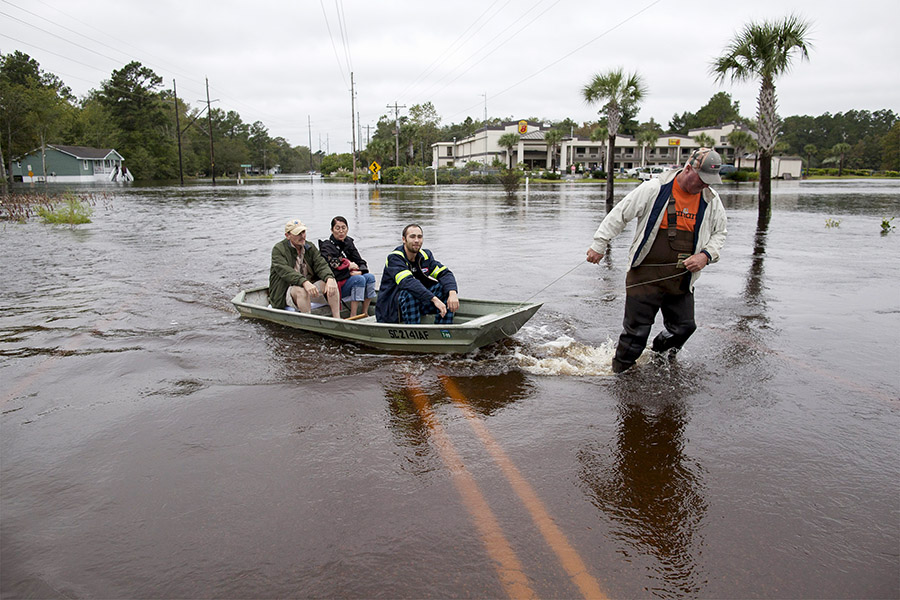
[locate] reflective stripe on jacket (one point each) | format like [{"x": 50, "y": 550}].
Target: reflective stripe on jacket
[{"x": 398, "y": 275}]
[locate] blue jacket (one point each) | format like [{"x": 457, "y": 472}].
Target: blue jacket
[{"x": 398, "y": 275}]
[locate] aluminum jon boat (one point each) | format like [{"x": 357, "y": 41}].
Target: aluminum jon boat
[{"x": 476, "y": 324}]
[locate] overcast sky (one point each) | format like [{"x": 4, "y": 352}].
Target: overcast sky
[{"x": 284, "y": 62}]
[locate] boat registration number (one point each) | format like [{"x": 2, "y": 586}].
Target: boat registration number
[{"x": 402, "y": 334}]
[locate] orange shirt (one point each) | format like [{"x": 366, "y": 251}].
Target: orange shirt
[{"x": 686, "y": 205}]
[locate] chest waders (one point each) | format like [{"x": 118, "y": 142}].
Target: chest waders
[{"x": 655, "y": 285}]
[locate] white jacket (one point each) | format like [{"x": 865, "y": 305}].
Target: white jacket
[{"x": 647, "y": 204}]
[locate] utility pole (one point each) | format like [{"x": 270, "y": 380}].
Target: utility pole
[
  {"x": 309, "y": 128},
  {"x": 212, "y": 150},
  {"x": 396, "y": 132},
  {"x": 485, "y": 132},
  {"x": 353, "y": 123},
  {"x": 178, "y": 129}
]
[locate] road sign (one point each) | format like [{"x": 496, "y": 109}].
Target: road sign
[
  {"x": 374, "y": 167},
  {"x": 246, "y": 166}
]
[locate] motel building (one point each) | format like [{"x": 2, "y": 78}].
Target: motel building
[{"x": 580, "y": 153}]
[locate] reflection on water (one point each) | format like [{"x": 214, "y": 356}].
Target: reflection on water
[
  {"x": 485, "y": 395},
  {"x": 744, "y": 345},
  {"x": 647, "y": 486}
]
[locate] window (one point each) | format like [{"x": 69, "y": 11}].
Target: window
[
  {"x": 449, "y": 150},
  {"x": 85, "y": 165}
]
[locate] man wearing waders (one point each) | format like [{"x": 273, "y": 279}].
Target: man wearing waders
[{"x": 680, "y": 229}]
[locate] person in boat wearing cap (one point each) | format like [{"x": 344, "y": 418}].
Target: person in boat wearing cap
[
  {"x": 351, "y": 271},
  {"x": 681, "y": 228},
  {"x": 299, "y": 273},
  {"x": 414, "y": 282}
]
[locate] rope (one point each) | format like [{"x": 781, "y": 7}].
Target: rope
[
  {"x": 655, "y": 280},
  {"x": 626, "y": 287},
  {"x": 551, "y": 283}
]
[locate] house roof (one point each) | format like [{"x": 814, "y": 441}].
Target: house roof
[{"x": 84, "y": 152}]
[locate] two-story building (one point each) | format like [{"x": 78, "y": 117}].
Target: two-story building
[{"x": 575, "y": 153}]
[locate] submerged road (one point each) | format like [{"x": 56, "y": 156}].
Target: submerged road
[{"x": 154, "y": 444}]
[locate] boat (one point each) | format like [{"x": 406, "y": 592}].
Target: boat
[{"x": 476, "y": 324}]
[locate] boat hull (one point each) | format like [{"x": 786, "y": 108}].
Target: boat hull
[{"x": 477, "y": 323}]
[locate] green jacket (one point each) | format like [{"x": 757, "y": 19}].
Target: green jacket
[{"x": 282, "y": 274}]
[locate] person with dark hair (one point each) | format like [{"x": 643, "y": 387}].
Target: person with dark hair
[
  {"x": 415, "y": 283},
  {"x": 681, "y": 228},
  {"x": 351, "y": 271}
]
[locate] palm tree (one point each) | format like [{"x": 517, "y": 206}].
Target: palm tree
[
  {"x": 740, "y": 140},
  {"x": 810, "y": 150},
  {"x": 621, "y": 93},
  {"x": 840, "y": 150},
  {"x": 646, "y": 139},
  {"x": 705, "y": 141},
  {"x": 553, "y": 138},
  {"x": 648, "y": 134},
  {"x": 764, "y": 51},
  {"x": 508, "y": 141},
  {"x": 599, "y": 134}
]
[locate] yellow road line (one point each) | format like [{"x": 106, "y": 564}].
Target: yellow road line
[
  {"x": 555, "y": 538},
  {"x": 509, "y": 569}
]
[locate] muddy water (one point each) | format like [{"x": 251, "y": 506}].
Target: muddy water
[{"x": 155, "y": 445}]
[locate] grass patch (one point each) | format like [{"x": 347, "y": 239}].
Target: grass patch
[{"x": 71, "y": 211}]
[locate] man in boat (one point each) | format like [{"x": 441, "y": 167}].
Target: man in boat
[
  {"x": 415, "y": 283},
  {"x": 680, "y": 229},
  {"x": 299, "y": 273}
]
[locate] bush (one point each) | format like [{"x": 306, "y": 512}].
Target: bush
[
  {"x": 73, "y": 211},
  {"x": 510, "y": 178},
  {"x": 391, "y": 174},
  {"x": 551, "y": 176},
  {"x": 598, "y": 174},
  {"x": 743, "y": 175}
]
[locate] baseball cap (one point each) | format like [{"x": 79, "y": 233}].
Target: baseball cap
[
  {"x": 294, "y": 227},
  {"x": 706, "y": 162}
]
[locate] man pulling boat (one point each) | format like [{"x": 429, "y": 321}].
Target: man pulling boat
[{"x": 681, "y": 228}]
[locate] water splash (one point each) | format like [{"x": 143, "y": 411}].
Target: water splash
[{"x": 566, "y": 356}]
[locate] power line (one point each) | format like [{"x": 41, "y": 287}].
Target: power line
[
  {"x": 345, "y": 32},
  {"x": 331, "y": 37},
  {"x": 116, "y": 60},
  {"x": 446, "y": 53},
  {"x": 562, "y": 58},
  {"x": 497, "y": 47}
]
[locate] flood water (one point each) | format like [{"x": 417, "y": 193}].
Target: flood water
[{"x": 156, "y": 445}]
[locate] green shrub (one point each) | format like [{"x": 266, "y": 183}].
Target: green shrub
[
  {"x": 743, "y": 175},
  {"x": 72, "y": 211},
  {"x": 510, "y": 178},
  {"x": 391, "y": 175},
  {"x": 598, "y": 174}
]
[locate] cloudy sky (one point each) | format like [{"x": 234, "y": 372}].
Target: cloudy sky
[{"x": 287, "y": 63}]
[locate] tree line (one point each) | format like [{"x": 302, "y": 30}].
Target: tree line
[{"x": 131, "y": 113}]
